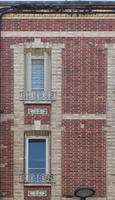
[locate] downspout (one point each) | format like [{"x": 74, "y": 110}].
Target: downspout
[
  {"x": 1, "y": 111},
  {"x": 0, "y": 60}
]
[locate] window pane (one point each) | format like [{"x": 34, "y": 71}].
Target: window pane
[
  {"x": 36, "y": 176},
  {"x": 37, "y": 154},
  {"x": 37, "y": 74},
  {"x": 37, "y": 171}
]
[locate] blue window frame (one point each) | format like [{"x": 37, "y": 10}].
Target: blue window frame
[
  {"x": 37, "y": 162},
  {"x": 37, "y": 156}
]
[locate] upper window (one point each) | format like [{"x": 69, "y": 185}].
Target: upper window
[
  {"x": 37, "y": 159},
  {"x": 38, "y": 75}
]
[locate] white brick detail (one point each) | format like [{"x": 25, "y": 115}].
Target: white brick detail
[
  {"x": 58, "y": 34},
  {"x": 5, "y": 117},
  {"x": 85, "y": 116},
  {"x": 110, "y": 123}
]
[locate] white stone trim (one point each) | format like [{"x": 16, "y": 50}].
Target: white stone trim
[
  {"x": 57, "y": 16},
  {"x": 36, "y": 102},
  {"x": 31, "y": 127},
  {"x": 59, "y": 34},
  {"x": 90, "y": 198},
  {"x": 85, "y": 116},
  {"x": 37, "y": 42},
  {"x": 5, "y": 117},
  {"x": 18, "y": 119},
  {"x": 56, "y": 120},
  {"x": 110, "y": 137},
  {"x": 6, "y": 198},
  {"x": 56, "y": 116}
]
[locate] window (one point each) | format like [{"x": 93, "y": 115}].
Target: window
[
  {"x": 38, "y": 74},
  {"x": 37, "y": 159}
]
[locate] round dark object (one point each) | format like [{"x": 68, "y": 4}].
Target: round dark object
[{"x": 84, "y": 192}]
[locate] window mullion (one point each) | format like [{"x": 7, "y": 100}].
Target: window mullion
[
  {"x": 26, "y": 159},
  {"x": 28, "y": 72},
  {"x": 47, "y": 156},
  {"x": 45, "y": 71}
]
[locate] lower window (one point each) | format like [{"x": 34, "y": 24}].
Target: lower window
[{"x": 37, "y": 160}]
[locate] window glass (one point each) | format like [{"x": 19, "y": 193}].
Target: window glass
[
  {"x": 37, "y": 74},
  {"x": 37, "y": 156}
]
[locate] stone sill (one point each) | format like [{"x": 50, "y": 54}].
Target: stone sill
[
  {"x": 37, "y": 102},
  {"x": 32, "y": 185}
]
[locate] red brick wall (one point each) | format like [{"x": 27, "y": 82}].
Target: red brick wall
[
  {"x": 84, "y": 92},
  {"x": 58, "y": 25},
  {"x": 6, "y": 159},
  {"x": 29, "y": 188},
  {"x": 45, "y": 118},
  {"x": 6, "y": 106},
  {"x": 83, "y": 156},
  {"x": 84, "y": 76},
  {"x": 6, "y": 77},
  {"x": 84, "y": 63}
]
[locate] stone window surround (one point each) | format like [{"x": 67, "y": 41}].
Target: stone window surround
[
  {"x": 110, "y": 127},
  {"x": 56, "y": 115},
  {"x": 47, "y": 144},
  {"x": 44, "y": 54}
]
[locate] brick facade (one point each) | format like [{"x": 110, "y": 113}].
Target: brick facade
[
  {"x": 44, "y": 118},
  {"x": 59, "y": 24},
  {"x": 83, "y": 156},
  {"x": 79, "y": 120}
]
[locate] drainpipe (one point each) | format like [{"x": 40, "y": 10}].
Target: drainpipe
[
  {"x": 1, "y": 111},
  {"x": 0, "y": 58}
]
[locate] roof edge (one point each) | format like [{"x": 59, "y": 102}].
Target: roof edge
[{"x": 47, "y": 2}]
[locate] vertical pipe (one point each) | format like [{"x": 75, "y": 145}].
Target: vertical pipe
[{"x": 0, "y": 108}]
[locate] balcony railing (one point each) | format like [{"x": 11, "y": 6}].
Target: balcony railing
[
  {"x": 38, "y": 178},
  {"x": 37, "y": 95}
]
